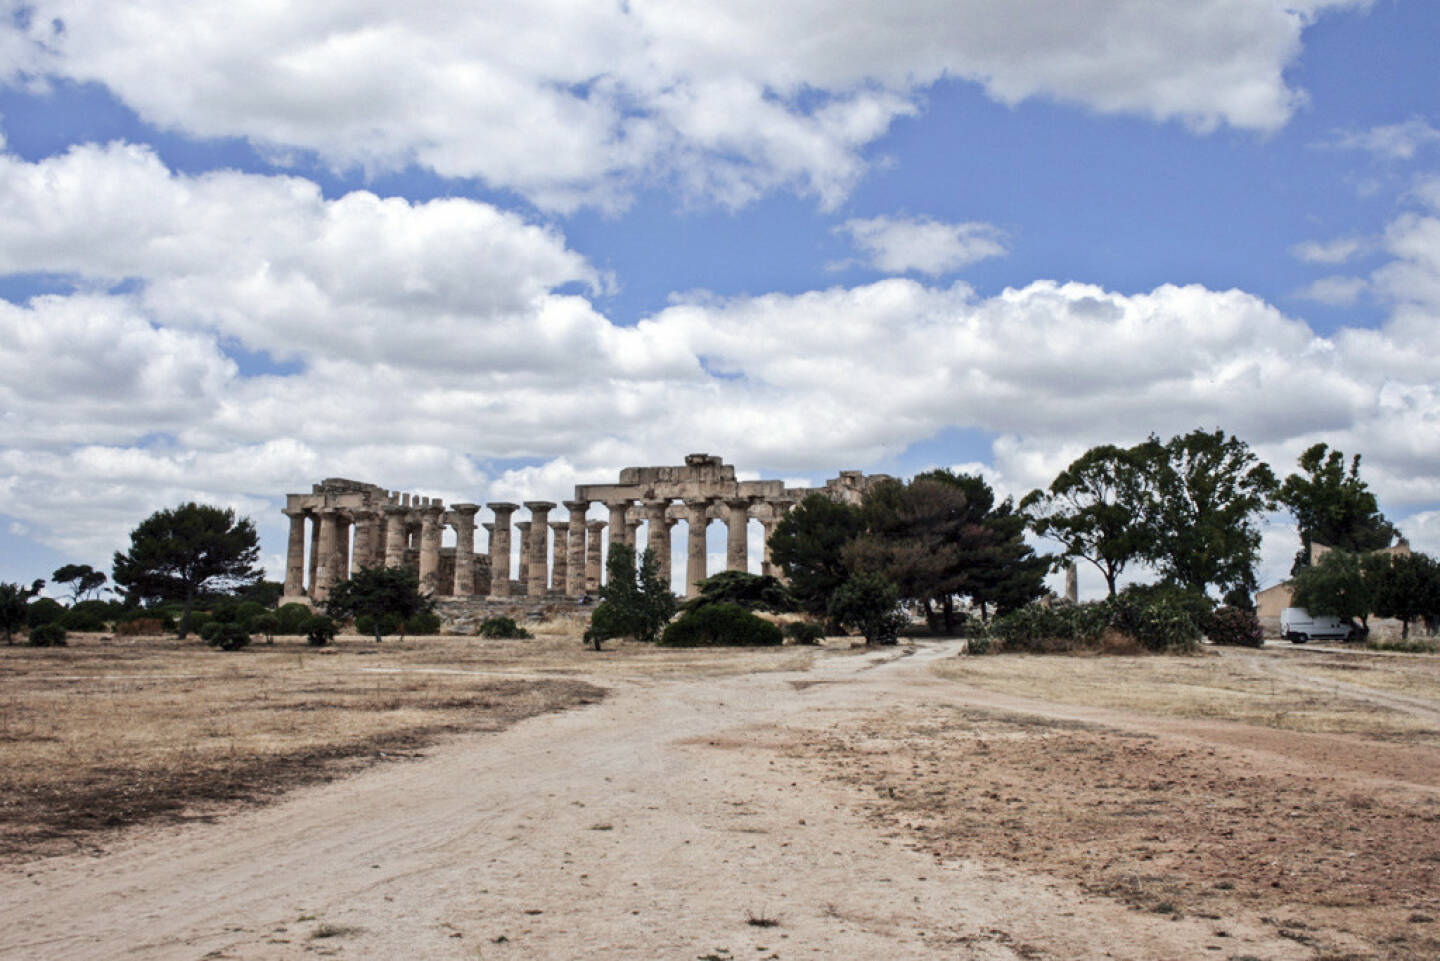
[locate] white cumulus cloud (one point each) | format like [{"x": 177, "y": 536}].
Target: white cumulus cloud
[{"x": 898, "y": 245}]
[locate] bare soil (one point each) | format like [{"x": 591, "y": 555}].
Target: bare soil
[{"x": 787, "y": 804}]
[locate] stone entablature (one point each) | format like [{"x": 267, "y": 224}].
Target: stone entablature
[{"x": 353, "y": 524}]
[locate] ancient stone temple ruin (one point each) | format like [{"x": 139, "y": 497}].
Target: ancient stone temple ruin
[{"x": 344, "y": 525}]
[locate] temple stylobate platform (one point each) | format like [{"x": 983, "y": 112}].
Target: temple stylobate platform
[{"x": 343, "y": 525}]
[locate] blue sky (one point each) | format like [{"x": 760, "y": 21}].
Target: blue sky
[{"x": 491, "y": 255}]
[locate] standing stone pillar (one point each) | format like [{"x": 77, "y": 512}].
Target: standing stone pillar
[
  {"x": 364, "y": 540},
  {"x": 315, "y": 526},
  {"x": 697, "y": 517},
  {"x": 594, "y": 556},
  {"x": 394, "y": 535},
  {"x": 767, "y": 566},
  {"x": 575, "y": 563},
  {"x": 377, "y": 541},
  {"x": 539, "y": 544},
  {"x": 464, "y": 585},
  {"x": 430, "y": 548},
  {"x": 295, "y": 555},
  {"x": 500, "y": 549},
  {"x": 560, "y": 568},
  {"x": 619, "y": 529},
  {"x": 329, "y": 534},
  {"x": 737, "y": 534},
  {"x": 341, "y": 567},
  {"x": 1072, "y": 583},
  {"x": 523, "y": 573},
  {"x": 658, "y": 540}
]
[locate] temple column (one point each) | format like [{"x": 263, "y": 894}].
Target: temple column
[
  {"x": 737, "y": 534},
  {"x": 523, "y": 574},
  {"x": 464, "y": 584},
  {"x": 364, "y": 541},
  {"x": 500, "y": 549},
  {"x": 314, "y": 552},
  {"x": 575, "y": 566},
  {"x": 777, "y": 514},
  {"x": 594, "y": 556},
  {"x": 539, "y": 555},
  {"x": 295, "y": 555},
  {"x": 619, "y": 529},
  {"x": 430, "y": 548},
  {"x": 766, "y": 565},
  {"x": 658, "y": 540},
  {"x": 560, "y": 568},
  {"x": 394, "y": 535},
  {"x": 329, "y": 535},
  {"x": 697, "y": 517}
]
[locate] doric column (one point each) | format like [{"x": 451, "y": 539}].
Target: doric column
[
  {"x": 295, "y": 555},
  {"x": 766, "y": 566},
  {"x": 341, "y": 566},
  {"x": 697, "y": 518},
  {"x": 737, "y": 533},
  {"x": 1072, "y": 583},
  {"x": 314, "y": 552},
  {"x": 575, "y": 563},
  {"x": 430, "y": 548},
  {"x": 560, "y": 568},
  {"x": 657, "y": 541},
  {"x": 594, "y": 556},
  {"x": 464, "y": 585},
  {"x": 500, "y": 549},
  {"x": 618, "y": 526},
  {"x": 329, "y": 535},
  {"x": 539, "y": 554},
  {"x": 523, "y": 573},
  {"x": 777, "y": 514},
  {"x": 364, "y": 540},
  {"x": 395, "y": 517},
  {"x": 377, "y": 540}
]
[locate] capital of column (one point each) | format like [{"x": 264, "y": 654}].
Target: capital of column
[
  {"x": 577, "y": 507},
  {"x": 699, "y": 506},
  {"x": 539, "y": 507},
  {"x": 465, "y": 509},
  {"x": 503, "y": 510}
]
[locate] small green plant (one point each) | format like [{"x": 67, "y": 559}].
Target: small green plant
[
  {"x": 501, "y": 627},
  {"x": 425, "y": 622},
  {"x": 320, "y": 630},
  {"x": 227, "y": 637},
  {"x": 83, "y": 620},
  {"x": 44, "y": 610},
  {"x": 870, "y": 605},
  {"x": 803, "y": 632},
  {"x": 47, "y": 635},
  {"x": 266, "y": 624},
  {"x": 293, "y": 618},
  {"x": 1234, "y": 626},
  {"x": 721, "y": 625}
]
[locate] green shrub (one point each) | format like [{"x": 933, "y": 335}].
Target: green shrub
[
  {"x": 426, "y": 622},
  {"x": 1155, "y": 618},
  {"x": 803, "y": 632},
  {"x": 754, "y": 592},
  {"x": 293, "y": 618},
  {"x": 869, "y": 604},
  {"x": 99, "y": 610},
  {"x": 320, "y": 630},
  {"x": 1409, "y": 645},
  {"x": 1160, "y": 617},
  {"x": 136, "y": 626},
  {"x": 82, "y": 621},
  {"x": 979, "y": 643},
  {"x": 720, "y": 625},
  {"x": 1234, "y": 626},
  {"x": 43, "y": 610},
  {"x": 266, "y": 624},
  {"x": 501, "y": 627},
  {"x": 227, "y": 637},
  {"x": 210, "y": 631},
  {"x": 159, "y": 615},
  {"x": 47, "y": 635}
]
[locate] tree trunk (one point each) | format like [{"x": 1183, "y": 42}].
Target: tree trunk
[
  {"x": 1110, "y": 581},
  {"x": 185, "y": 615},
  {"x": 947, "y": 604}
]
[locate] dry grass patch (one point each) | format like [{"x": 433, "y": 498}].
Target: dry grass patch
[
  {"x": 1161, "y": 825},
  {"x": 1229, "y": 686}
]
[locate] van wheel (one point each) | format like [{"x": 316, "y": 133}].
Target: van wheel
[{"x": 1299, "y": 638}]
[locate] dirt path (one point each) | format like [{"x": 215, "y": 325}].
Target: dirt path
[{"x": 668, "y": 821}]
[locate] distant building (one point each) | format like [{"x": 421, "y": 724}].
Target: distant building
[{"x": 1272, "y": 601}]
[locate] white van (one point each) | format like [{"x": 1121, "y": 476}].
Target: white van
[{"x": 1299, "y": 625}]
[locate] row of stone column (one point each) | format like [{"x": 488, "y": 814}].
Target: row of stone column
[{"x": 383, "y": 536}]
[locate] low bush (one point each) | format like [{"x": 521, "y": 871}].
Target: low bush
[
  {"x": 1409, "y": 645},
  {"x": 82, "y": 621},
  {"x": 869, "y": 604},
  {"x": 43, "y": 610},
  {"x": 136, "y": 626},
  {"x": 1153, "y": 618},
  {"x": 47, "y": 635},
  {"x": 754, "y": 592},
  {"x": 265, "y": 624},
  {"x": 803, "y": 632},
  {"x": 227, "y": 637},
  {"x": 160, "y": 615},
  {"x": 320, "y": 630},
  {"x": 426, "y": 622},
  {"x": 1234, "y": 626},
  {"x": 720, "y": 625},
  {"x": 501, "y": 627},
  {"x": 293, "y": 618}
]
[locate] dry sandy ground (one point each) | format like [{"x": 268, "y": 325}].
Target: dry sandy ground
[{"x": 684, "y": 819}]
